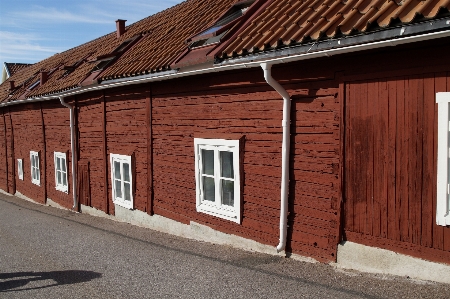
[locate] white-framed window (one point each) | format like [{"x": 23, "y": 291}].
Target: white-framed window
[
  {"x": 20, "y": 168},
  {"x": 443, "y": 159},
  {"x": 61, "y": 172},
  {"x": 217, "y": 178},
  {"x": 35, "y": 171},
  {"x": 122, "y": 180}
]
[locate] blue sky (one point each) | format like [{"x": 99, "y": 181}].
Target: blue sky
[{"x": 32, "y": 30}]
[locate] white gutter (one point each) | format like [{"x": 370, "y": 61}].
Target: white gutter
[
  {"x": 74, "y": 153},
  {"x": 285, "y": 152}
]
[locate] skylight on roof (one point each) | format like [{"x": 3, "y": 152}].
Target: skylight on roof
[
  {"x": 34, "y": 85},
  {"x": 220, "y": 27},
  {"x": 102, "y": 64}
]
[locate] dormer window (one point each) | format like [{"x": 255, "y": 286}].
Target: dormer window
[
  {"x": 214, "y": 33},
  {"x": 102, "y": 64},
  {"x": 123, "y": 46},
  {"x": 70, "y": 68},
  {"x": 32, "y": 86}
]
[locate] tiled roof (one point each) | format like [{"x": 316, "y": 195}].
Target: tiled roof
[
  {"x": 165, "y": 37},
  {"x": 163, "y": 40},
  {"x": 279, "y": 23},
  {"x": 290, "y": 22},
  {"x": 12, "y": 68}
]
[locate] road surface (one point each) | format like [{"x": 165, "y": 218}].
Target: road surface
[{"x": 47, "y": 252}]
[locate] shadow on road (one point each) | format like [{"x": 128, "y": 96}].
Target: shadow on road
[{"x": 10, "y": 281}]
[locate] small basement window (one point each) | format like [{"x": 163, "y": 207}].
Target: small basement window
[
  {"x": 35, "y": 171},
  {"x": 61, "y": 172},
  {"x": 122, "y": 180},
  {"x": 217, "y": 176},
  {"x": 443, "y": 159},
  {"x": 20, "y": 169}
]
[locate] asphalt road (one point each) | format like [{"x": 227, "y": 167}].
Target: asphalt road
[{"x": 51, "y": 253}]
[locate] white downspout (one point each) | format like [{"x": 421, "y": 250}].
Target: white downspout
[
  {"x": 74, "y": 154},
  {"x": 285, "y": 152}
]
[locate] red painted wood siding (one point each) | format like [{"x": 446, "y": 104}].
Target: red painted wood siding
[
  {"x": 3, "y": 153},
  {"x": 90, "y": 140},
  {"x": 390, "y": 190},
  {"x": 315, "y": 173},
  {"x": 126, "y": 134},
  {"x": 57, "y": 136},
  {"x": 230, "y": 104},
  {"x": 28, "y": 136}
]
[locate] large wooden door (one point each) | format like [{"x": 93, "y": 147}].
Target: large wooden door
[{"x": 390, "y": 164}]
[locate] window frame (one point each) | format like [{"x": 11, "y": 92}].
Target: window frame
[
  {"x": 443, "y": 159},
  {"x": 216, "y": 208},
  {"x": 116, "y": 199},
  {"x": 20, "y": 169},
  {"x": 37, "y": 169},
  {"x": 61, "y": 187}
]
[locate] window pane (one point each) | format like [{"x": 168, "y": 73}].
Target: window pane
[
  {"x": 58, "y": 175},
  {"x": 32, "y": 161},
  {"x": 127, "y": 191},
  {"x": 64, "y": 179},
  {"x": 228, "y": 193},
  {"x": 208, "y": 162},
  {"x": 226, "y": 160},
  {"x": 126, "y": 172},
  {"x": 118, "y": 189},
  {"x": 63, "y": 165},
  {"x": 117, "y": 170},
  {"x": 208, "y": 189},
  {"x": 38, "y": 174},
  {"x": 33, "y": 176},
  {"x": 58, "y": 163}
]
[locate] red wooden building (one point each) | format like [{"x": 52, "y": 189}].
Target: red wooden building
[{"x": 205, "y": 113}]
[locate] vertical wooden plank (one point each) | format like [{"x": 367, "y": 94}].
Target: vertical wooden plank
[
  {"x": 402, "y": 165},
  {"x": 360, "y": 203},
  {"x": 13, "y": 168},
  {"x": 6, "y": 152},
  {"x": 392, "y": 161},
  {"x": 149, "y": 206},
  {"x": 340, "y": 197},
  {"x": 440, "y": 85},
  {"x": 349, "y": 171},
  {"x": 105, "y": 156},
  {"x": 371, "y": 102},
  {"x": 377, "y": 128},
  {"x": 428, "y": 172},
  {"x": 415, "y": 94},
  {"x": 44, "y": 155},
  {"x": 419, "y": 154},
  {"x": 382, "y": 141}
]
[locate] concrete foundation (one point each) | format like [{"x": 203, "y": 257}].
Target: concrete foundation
[{"x": 376, "y": 260}]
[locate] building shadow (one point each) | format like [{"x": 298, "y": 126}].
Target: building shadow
[{"x": 9, "y": 282}]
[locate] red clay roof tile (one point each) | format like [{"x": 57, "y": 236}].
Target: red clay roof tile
[
  {"x": 313, "y": 19},
  {"x": 13, "y": 68}
]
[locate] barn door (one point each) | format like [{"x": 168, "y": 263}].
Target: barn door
[
  {"x": 84, "y": 189},
  {"x": 390, "y": 160}
]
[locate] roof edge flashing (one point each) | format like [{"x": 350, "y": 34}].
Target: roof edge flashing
[{"x": 403, "y": 31}]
